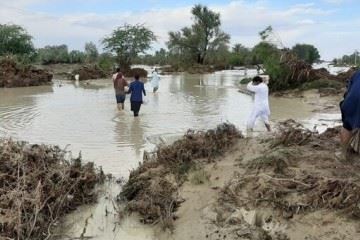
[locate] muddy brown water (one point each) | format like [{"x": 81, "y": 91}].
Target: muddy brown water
[{"x": 83, "y": 117}]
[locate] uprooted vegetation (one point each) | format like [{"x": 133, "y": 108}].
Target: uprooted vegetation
[
  {"x": 14, "y": 75},
  {"x": 298, "y": 173},
  {"x": 38, "y": 185},
  {"x": 152, "y": 189}
]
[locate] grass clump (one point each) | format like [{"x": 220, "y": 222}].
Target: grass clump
[
  {"x": 199, "y": 177},
  {"x": 321, "y": 83}
]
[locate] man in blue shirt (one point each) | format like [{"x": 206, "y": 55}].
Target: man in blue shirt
[
  {"x": 350, "y": 111},
  {"x": 137, "y": 90}
]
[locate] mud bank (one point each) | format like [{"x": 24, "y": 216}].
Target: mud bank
[
  {"x": 13, "y": 75},
  {"x": 89, "y": 72},
  {"x": 287, "y": 185},
  {"x": 38, "y": 185}
]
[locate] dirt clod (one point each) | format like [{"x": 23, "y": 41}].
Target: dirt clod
[{"x": 14, "y": 75}]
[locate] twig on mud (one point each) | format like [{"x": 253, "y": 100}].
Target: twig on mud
[{"x": 285, "y": 179}]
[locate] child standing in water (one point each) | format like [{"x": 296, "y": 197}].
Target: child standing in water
[
  {"x": 261, "y": 103},
  {"x": 136, "y": 90}
]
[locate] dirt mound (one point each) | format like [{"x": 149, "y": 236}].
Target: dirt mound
[
  {"x": 13, "y": 75},
  {"x": 298, "y": 173},
  {"x": 152, "y": 187},
  {"x": 37, "y": 186},
  {"x": 89, "y": 72},
  {"x": 136, "y": 71}
]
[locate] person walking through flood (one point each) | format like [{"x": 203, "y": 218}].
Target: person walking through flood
[
  {"x": 155, "y": 79},
  {"x": 261, "y": 103},
  {"x": 136, "y": 90},
  {"x": 350, "y": 114},
  {"x": 119, "y": 86}
]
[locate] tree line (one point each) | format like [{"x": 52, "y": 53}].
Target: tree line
[{"x": 202, "y": 43}]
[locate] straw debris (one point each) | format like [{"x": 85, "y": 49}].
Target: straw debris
[
  {"x": 38, "y": 185},
  {"x": 152, "y": 187}
]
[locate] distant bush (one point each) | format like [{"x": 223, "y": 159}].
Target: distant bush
[
  {"x": 245, "y": 80},
  {"x": 322, "y": 83},
  {"x": 106, "y": 62}
]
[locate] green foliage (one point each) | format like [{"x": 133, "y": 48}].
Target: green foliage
[
  {"x": 161, "y": 57},
  {"x": 128, "y": 41},
  {"x": 322, "y": 83},
  {"x": 266, "y": 33},
  {"x": 202, "y": 37},
  {"x": 307, "y": 52},
  {"x": 14, "y": 40},
  {"x": 352, "y": 59},
  {"x": 53, "y": 54},
  {"x": 91, "y": 52},
  {"x": 241, "y": 56},
  {"x": 245, "y": 80},
  {"x": 199, "y": 177},
  {"x": 76, "y": 56},
  {"x": 106, "y": 61}
]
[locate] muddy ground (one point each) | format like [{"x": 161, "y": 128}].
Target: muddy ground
[
  {"x": 292, "y": 184},
  {"x": 14, "y": 75}
]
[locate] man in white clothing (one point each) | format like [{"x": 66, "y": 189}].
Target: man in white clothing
[{"x": 261, "y": 103}]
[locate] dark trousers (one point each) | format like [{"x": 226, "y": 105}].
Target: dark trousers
[{"x": 135, "y": 107}]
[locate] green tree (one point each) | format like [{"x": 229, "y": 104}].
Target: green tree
[
  {"x": 54, "y": 54},
  {"x": 203, "y": 36},
  {"x": 306, "y": 52},
  {"x": 106, "y": 61},
  {"x": 240, "y": 56},
  {"x": 76, "y": 56},
  {"x": 15, "y": 40},
  {"x": 128, "y": 41},
  {"x": 91, "y": 52}
]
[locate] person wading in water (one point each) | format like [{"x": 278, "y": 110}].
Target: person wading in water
[
  {"x": 119, "y": 86},
  {"x": 261, "y": 103},
  {"x": 155, "y": 80},
  {"x": 136, "y": 90}
]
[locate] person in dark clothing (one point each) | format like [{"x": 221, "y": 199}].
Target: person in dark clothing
[
  {"x": 350, "y": 110},
  {"x": 136, "y": 90}
]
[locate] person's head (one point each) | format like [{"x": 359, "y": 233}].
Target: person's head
[
  {"x": 117, "y": 69},
  {"x": 137, "y": 76},
  {"x": 257, "y": 80}
]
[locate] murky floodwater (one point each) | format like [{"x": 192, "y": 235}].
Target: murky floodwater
[{"x": 84, "y": 118}]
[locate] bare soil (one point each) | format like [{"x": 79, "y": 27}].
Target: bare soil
[
  {"x": 288, "y": 185},
  {"x": 14, "y": 75}
]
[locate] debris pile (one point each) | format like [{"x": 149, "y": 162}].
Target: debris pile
[
  {"x": 152, "y": 187},
  {"x": 13, "y": 75},
  {"x": 136, "y": 71},
  {"x": 89, "y": 72},
  {"x": 297, "y": 174},
  {"x": 38, "y": 186}
]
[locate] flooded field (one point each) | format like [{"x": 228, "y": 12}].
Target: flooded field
[{"x": 83, "y": 117}]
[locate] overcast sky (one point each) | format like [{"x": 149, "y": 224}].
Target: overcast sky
[{"x": 333, "y": 26}]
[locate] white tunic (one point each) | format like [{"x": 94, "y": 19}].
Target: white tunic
[
  {"x": 155, "y": 80},
  {"x": 261, "y": 103}
]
